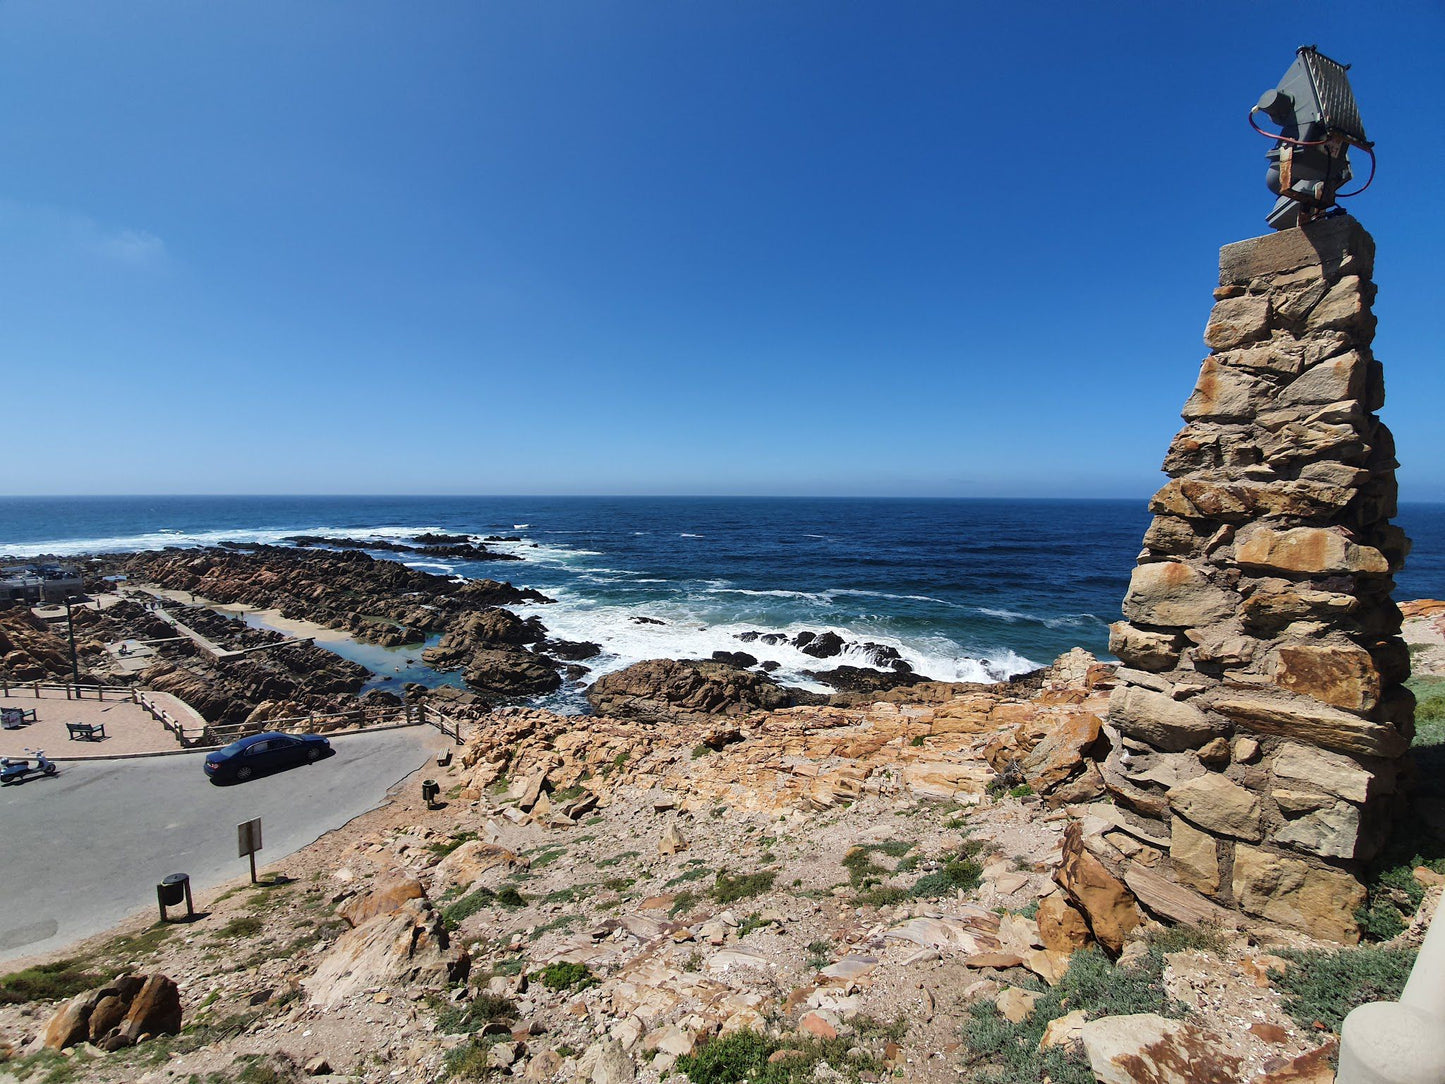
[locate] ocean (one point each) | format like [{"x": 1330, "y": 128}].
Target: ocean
[{"x": 965, "y": 590}]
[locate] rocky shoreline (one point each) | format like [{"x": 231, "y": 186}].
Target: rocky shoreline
[{"x": 500, "y": 657}]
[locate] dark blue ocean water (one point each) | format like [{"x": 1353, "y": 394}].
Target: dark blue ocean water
[{"x": 965, "y": 589}]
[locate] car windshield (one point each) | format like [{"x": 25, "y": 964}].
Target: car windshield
[{"x": 234, "y": 748}]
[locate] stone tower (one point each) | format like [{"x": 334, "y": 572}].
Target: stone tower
[{"x": 1259, "y": 715}]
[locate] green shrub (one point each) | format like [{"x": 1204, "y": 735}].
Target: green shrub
[
  {"x": 1380, "y": 920},
  {"x": 50, "y": 982},
  {"x": 962, "y": 872},
  {"x": 1323, "y": 985},
  {"x": 242, "y": 926},
  {"x": 882, "y": 896},
  {"x": 1184, "y": 939},
  {"x": 697, "y": 873},
  {"x": 730, "y": 889},
  {"x": 749, "y": 1056},
  {"x": 862, "y": 870},
  {"x": 508, "y": 896},
  {"x": 566, "y": 976},
  {"x": 473, "y": 1015},
  {"x": 820, "y": 954},
  {"x": 453, "y": 914},
  {"x": 1003, "y": 1053},
  {"x": 468, "y": 1061},
  {"x": 682, "y": 903},
  {"x": 444, "y": 847}
]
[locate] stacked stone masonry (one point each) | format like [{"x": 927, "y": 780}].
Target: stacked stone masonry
[{"x": 1259, "y": 715}]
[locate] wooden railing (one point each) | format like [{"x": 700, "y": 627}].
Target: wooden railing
[
  {"x": 189, "y": 734},
  {"x": 367, "y": 718},
  {"x": 72, "y": 690}
]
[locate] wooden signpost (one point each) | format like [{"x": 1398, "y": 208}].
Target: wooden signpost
[{"x": 248, "y": 842}]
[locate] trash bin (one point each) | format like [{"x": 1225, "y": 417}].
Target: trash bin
[
  {"x": 429, "y": 790},
  {"x": 172, "y": 889}
]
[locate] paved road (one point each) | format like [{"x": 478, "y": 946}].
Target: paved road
[{"x": 81, "y": 850}]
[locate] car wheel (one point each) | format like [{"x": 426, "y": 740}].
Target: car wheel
[
  {"x": 243, "y": 772},
  {"x": 313, "y": 755}
]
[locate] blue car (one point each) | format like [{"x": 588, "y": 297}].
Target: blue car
[{"x": 263, "y": 753}]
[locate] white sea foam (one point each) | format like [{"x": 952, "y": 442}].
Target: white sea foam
[
  {"x": 688, "y": 634},
  {"x": 853, "y": 592},
  {"x": 808, "y": 596},
  {"x": 169, "y": 536},
  {"x": 1010, "y": 616}
]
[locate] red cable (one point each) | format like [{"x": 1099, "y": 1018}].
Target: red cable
[
  {"x": 1371, "y": 177},
  {"x": 1283, "y": 138}
]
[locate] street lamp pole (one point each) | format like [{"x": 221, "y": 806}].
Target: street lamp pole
[{"x": 70, "y": 625}]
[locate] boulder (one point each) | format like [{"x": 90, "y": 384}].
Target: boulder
[
  {"x": 1194, "y": 856},
  {"x": 1105, "y": 901},
  {"x": 1016, "y": 1004},
  {"x": 1061, "y": 925},
  {"x": 469, "y": 861},
  {"x": 1225, "y": 393},
  {"x": 1341, "y": 675},
  {"x": 1148, "y": 649},
  {"x": 1062, "y": 751},
  {"x": 1332, "y": 831},
  {"x": 668, "y": 689},
  {"x": 859, "y": 679},
  {"x": 386, "y": 950},
  {"x": 1219, "y": 805},
  {"x": 116, "y": 1014},
  {"x": 388, "y": 892},
  {"x": 511, "y": 672},
  {"x": 154, "y": 1010},
  {"x": 1146, "y": 1047},
  {"x": 1157, "y": 718},
  {"x": 1322, "y": 902},
  {"x": 741, "y": 659},
  {"x": 1305, "y": 550},
  {"x": 1333, "y": 773},
  {"x": 1236, "y": 321},
  {"x": 671, "y": 841},
  {"x": 1314, "y": 722},
  {"x": 821, "y": 646},
  {"x": 69, "y": 1024},
  {"x": 1175, "y": 595}
]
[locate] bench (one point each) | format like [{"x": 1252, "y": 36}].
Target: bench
[
  {"x": 86, "y": 731},
  {"x": 15, "y": 718}
]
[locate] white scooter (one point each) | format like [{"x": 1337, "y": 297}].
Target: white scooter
[{"x": 19, "y": 769}]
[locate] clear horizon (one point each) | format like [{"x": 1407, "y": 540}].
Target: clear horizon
[{"x": 708, "y": 250}]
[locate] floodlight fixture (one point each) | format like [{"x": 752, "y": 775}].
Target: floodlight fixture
[{"x": 1319, "y": 122}]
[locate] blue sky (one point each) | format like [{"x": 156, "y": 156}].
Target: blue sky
[{"x": 707, "y": 247}]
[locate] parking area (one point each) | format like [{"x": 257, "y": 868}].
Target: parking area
[{"x": 85, "y": 848}]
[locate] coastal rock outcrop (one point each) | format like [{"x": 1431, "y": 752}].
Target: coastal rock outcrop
[
  {"x": 379, "y": 601},
  {"x": 511, "y": 672},
  {"x": 1260, "y": 710},
  {"x": 666, "y": 689},
  {"x": 488, "y": 628}
]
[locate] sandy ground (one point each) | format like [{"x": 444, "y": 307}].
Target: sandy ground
[
  {"x": 273, "y": 618},
  {"x": 1426, "y": 636},
  {"x": 129, "y": 728}
]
